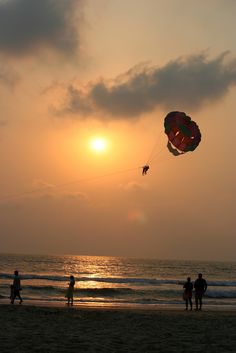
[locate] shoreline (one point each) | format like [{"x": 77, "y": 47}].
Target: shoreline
[{"x": 127, "y": 307}]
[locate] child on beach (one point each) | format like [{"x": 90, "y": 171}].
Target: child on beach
[
  {"x": 188, "y": 292},
  {"x": 70, "y": 291}
]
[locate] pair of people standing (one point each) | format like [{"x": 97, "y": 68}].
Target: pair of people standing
[{"x": 200, "y": 286}]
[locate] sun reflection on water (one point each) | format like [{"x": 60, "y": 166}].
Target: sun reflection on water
[{"x": 85, "y": 268}]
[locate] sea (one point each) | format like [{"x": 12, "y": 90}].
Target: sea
[{"x": 116, "y": 281}]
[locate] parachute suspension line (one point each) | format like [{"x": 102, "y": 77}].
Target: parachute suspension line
[
  {"x": 157, "y": 154},
  {"x": 30, "y": 192},
  {"x": 150, "y": 158}
]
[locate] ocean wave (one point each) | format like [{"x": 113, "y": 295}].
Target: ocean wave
[
  {"x": 221, "y": 294},
  {"x": 35, "y": 276},
  {"x": 116, "y": 280},
  {"x": 120, "y": 292},
  {"x": 92, "y": 292},
  {"x": 44, "y": 289}
]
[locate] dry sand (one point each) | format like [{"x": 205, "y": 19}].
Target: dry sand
[{"x": 61, "y": 329}]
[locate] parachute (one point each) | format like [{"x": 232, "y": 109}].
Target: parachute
[{"x": 183, "y": 133}]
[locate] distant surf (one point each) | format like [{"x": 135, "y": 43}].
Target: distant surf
[{"x": 110, "y": 280}]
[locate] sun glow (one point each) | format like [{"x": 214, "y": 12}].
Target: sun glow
[{"x": 98, "y": 144}]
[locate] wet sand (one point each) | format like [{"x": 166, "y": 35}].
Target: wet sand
[{"x": 81, "y": 329}]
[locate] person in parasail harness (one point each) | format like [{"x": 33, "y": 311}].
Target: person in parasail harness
[{"x": 145, "y": 169}]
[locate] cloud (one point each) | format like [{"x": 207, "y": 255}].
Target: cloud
[
  {"x": 28, "y": 26},
  {"x": 3, "y": 123},
  {"x": 56, "y": 195},
  {"x": 184, "y": 83},
  {"x": 134, "y": 186},
  {"x": 39, "y": 184},
  {"x": 8, "y": 77},
  {"x": 76, "y": 196},
  {"x": 42, "y": 190}
]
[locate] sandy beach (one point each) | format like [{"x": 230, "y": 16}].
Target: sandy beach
[{"x": 78, "y": 329}]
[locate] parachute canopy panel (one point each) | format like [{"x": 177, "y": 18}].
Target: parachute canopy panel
[{"x": 183, "y": 133}]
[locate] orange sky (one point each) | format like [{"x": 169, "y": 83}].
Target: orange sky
[{"x": 114, "y": 69}]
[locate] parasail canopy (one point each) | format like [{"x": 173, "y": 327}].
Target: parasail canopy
[{"x": 183, "y": 133}]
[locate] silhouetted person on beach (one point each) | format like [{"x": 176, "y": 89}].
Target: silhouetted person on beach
[
  {"x": 145, "y": 169},
  {"x": 16, "y": 288},
  {"x": 70, "y": 291},
  {"x": 200, "y": 286},
  {"x": 188, "y": 292}
]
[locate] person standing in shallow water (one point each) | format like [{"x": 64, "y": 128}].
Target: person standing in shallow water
[
  {"x": 16, "y": 288},
  {"x": 188, "y": 292},
  {"x": 70, "y": 291},
  {"x": 200, "y": 286}
]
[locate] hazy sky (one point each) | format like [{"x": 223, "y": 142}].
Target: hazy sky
[{"x": 75, "y": 70}]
